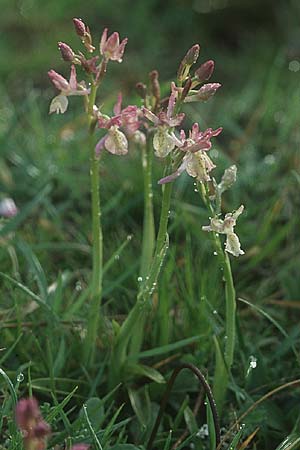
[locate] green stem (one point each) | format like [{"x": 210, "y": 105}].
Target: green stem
[
  {"x": 230, "y": 313},
  {"x": 96, "y": 285},
  {"x": 222, "y": 373},
  {"x": 148, "y": 226},
  {"x": 137, "y": 314},
  {"x": 148, "y": 244}
]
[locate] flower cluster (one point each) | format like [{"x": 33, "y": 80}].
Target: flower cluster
[
  {"x": 192, "y": 150},
  {"x": 110, "y": 48},
  {"x": 33, "y": 427},
  {"x": 156, "y": 119}
]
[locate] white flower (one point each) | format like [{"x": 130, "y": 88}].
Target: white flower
[{"x": 226, "y": 226}]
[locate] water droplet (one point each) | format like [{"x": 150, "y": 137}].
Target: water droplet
[
  {"x": 196, "y": 190},
  {"x": 225, "y": 337},
  {"x": 253, "y": 362},
  {"x": 140, "y": 279},
  {"x": 215, "y": 311},
  {"x": 117, "y": 257},
  {"x": 20, "y": 377},
  {"x": 215, "y": 254},
  {"x": 129, "y": 237}
]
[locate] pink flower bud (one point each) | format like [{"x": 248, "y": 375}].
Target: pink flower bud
[
  {"x": 205, "y": 71},
  {"x": 66, "y": 52},
  {"x": 189, "y": 59},
  {"x": 204, "y": 93},
  {"x": 80, "y": 27},
  {"x": 192, "y": 55},
  {"x": 58, "y": 80}
]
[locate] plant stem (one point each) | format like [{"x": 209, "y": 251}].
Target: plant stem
[
  {"x": 148, "y": 226},
  {"x": 136, "y": 316},
  {"x": 222, "y": 374},
  {"x": 96, "y": 286},
  {"x": 148, "y": 237}
]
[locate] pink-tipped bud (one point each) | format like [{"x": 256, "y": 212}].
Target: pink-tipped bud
[
  {"x": 204, "y": 93},
  {"x": 205, "y": 71},
  {"x": 192, "y": 55},
  {"x": 67, "y": 53},
  {"x": 189, "y": 59},
  {"x": 80, "y": 27}
]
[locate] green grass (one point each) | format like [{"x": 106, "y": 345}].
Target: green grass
[{"x": 46, "y": 251}]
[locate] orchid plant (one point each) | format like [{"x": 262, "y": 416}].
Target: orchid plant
[{"x": 154, "y": 126}]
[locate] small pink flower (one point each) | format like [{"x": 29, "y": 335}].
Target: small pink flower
[
  {"x": 111, "y": 48},
  {"x": 166, "y": 117},
  {"x": 59, "y": 104},
  {"x": 162, "y": 140},
  {"x": 115, "y": 141},
  {"x": 129, "y": 116},
  {"x": 32, "y": 425},
  {"x": 195, "y": 162}
]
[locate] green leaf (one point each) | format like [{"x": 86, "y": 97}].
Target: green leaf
[
  {"x": 146, "y": 371},
  {"x": 95, "y": 410},
  {"x": 190, "y": 420}
]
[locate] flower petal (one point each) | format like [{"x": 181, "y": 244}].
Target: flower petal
[
  {"x": 174, "y": 175},
  {"x": 163, "y": 143},
  {"x": 116, "y": 142},
  {"x": 59, "y": 104},
  {"x": 233, "y": 245},
  {"x": 73, "y": 79}
]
